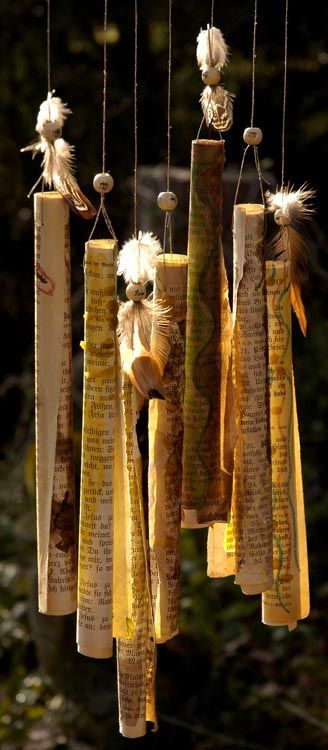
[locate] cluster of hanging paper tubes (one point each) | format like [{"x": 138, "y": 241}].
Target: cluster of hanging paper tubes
[{"x": 223, "y": 435}]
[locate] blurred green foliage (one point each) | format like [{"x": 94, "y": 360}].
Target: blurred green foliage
[{"x": 226, "y": 681}]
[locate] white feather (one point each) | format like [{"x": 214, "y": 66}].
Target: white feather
[
  {"x": 53, "y": 110},
  {"x": 58, "y": 157},
  {"x": 137, "y": 259},
  {"x": 292, "y": 203},
  {"x": 212, "y": 50},
  {"x": 143, "y": 329}
]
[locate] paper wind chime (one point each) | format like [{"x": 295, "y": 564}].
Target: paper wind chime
[
  {"x": 218, "y": 386},
  {"x": 55, "y": 490},
  {"x": 165, "y": 426},
  {"x": 143, "y": 327},
  {"x": 286, "y": 258},
  {"x": 243, "y": 547},
  {"x": 264, "y": 544},
  {"x": 102, "y": 589},
  {"x": 208, "y": 439}
]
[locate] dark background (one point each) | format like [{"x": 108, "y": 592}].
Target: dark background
[{"x": 226, "y": 681}]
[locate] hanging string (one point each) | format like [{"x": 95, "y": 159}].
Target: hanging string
[
  {"x": 168, "y": 220},
  {"x": 104, "y": 89},
  {"x": 169, "y": 69},
  {"x": 48, "y": 46},
  {"x": 255, "y": 149},
  {"x": 284, "y": 103},
  {"x": 254, "y": 63},
  {"x": 212, "y": 13},
  {"x": 135, "y": 115},
  {"x": 102, "y": 208}
]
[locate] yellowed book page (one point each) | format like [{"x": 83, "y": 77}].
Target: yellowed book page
[
  {"x": 122, "y": 584},
  {"x": 243, "y": 546},
  {"x": 252, "y": 501},
  {"x": 55, "y": 491},
  {"x": 165, "y": 453},
  {"x": 288, "y": 599},
  {"x": 221, "y": 550},
  {"x": 136, "y": 663},
  {"x": 95, "y": 584},
  {"x": 206, "y": 482}
]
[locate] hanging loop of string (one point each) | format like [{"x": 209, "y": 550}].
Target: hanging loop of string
[
  {"x": 284, "y": 100},
  {"x": 102, "y": 210},
  {"x": 253, "y": 91}
]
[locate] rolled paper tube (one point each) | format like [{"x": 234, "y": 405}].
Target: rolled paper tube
[
  {"x": 244, "y": 545},
  {"x": 252, "y": 492},
  {"x": 136, "y": 660},
  {"x": 55, "y": 492},
  {"x": 165, "y": 453},
  {"x": 95, "y": 584},
  {"x": 122, "y": 582},
  {"x": 288, "y": 599},
  {"x": 207, "y": 475}
]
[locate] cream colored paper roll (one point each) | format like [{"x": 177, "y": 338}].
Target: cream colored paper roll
[
  {"x": 207, "y": 475},
  {"x": 95, "y": 585},
  {"x": 165, "y": 453},
  {"x": 288, "y": 599},
  {"x": 55, "y": 491},
  {"x": 244, "y": 546}
]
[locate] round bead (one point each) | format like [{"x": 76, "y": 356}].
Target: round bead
[
  {"x": 50, "y": 130},
  {"x": 136, "y": 292},
  {"x": 253, "y": 136},
  {"x": 167, "y": 201},
  {"x": 211, "y": 76},
  {"x": 103, "y": 182},
  {"x": 282, "y": 217}
]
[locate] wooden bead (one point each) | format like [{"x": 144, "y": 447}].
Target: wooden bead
[
  {"x": 282, "y": 217},
  {"x": 211, "y": 76},
  {"x": 252, "y": 136},
  {"x": 50, "y": 130},
  {"x": 136, "y": 292},
  {"x": 103, "y": 182},
  {"x": 167, "y": 201}
]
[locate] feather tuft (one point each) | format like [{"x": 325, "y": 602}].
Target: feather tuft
[
  {"x": 217, "y": 106},
  {"x": 137, "y": 258},
  {"x": 288, "y": 244},
  {"x": 143, "y": 329},
  {"x": 294, "y": 204},
  {"x": 52, "y": 110},
  {"x": 58, "y": 157},
  {"x": 212, "y": 50}
]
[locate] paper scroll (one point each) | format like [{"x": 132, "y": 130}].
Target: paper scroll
[
  {"x": 95, "y": 586},
  {"x": 56, "y": 531},
  {"x": 165, "y": 453},
  {"x": 288, "y": 599},
  {"x": 244, "y": 546},
  {"x": 136, "y": 656},
  {"x": 206, "y": 468}
]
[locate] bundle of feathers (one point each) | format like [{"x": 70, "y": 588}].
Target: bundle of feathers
[
  {"x": 58, "y": 155},
  {"x": 143, "y": 323},
  {"x": 216, "y": 101},
  {"x": 291, "y": 208}
]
